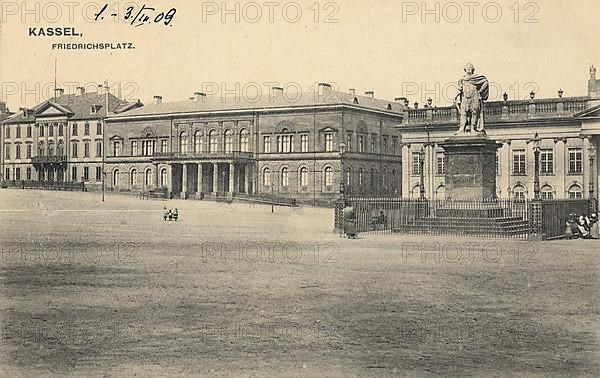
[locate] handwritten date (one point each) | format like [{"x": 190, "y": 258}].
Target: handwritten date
[{"x": 142, "y": 16}]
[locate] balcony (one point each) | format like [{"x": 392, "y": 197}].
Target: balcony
[
  {"x": 210, "y": 156},
  {"x": 50, "y": 159}
]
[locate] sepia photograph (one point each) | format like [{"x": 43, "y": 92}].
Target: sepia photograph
[{"x": 300, "y": 188}]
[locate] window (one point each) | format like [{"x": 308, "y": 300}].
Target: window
[
  {"x": 575, "y": 192},
  {"x": 86, "y": 129},
  {"x": 41, "y": 149},
  {"x": 7, "y": 131},
  {"x": 304, "y": 143},
  {"x": 40, "y": 130},
  {"x": 183, "y": 142},
  {"x": 163, "y": 177},
  {"x": 86, "y": 173},
  {"x": 519, "y": 193},
  {"x": 328, "y": 176},
  {"x": 74, "y": 129},
  {"x": 497, "y": 164},
  {"x": 266, "y": 177},
  {"x": 148, "y": 147},
  {"x": 440, "y": 164},
  {"x": 244, "y": 146},
  {"x": 29, "y": 151},
  {"x": 267, "y": 144},
  {"x": 60, "y": 148},
  {"x": 86, "y": 149},
  {"x": 163, "y": 146},
  {"x": 546, "y": 162},
  {"x": 284, "y": 143},
  {"x": 547, "y": 192},
  {"x": 384, "y": 179},
  {"x": 133, "y": 178},
  {"x": 361, "y": 143},
  {"x": 519, "y": 162},
  {"x": 98, "y": 128},
  {"x": 17, "y": 173},
  {"x": 98, "y": 173},
  {"x": 384, "y": 143},
  {"x": 51, "y": 148},
  {"x": 197, "y": 142},
  {"x": 7, "y": 151},
  {"x": 372, "y": 178},
  {"x": 51, "y": 129},
  {"x": 18, "y": 127},
  {"x": 328, "y": 142},
  {"x": 394, "y": 146},
  {"x": 74, "y": 149},
  {"x": 17, "y": 151},
  {"x": 228, "y": 141},
  {"x": 360, "y": 177},
  {"x": 348, "y": 176},
  {"x": 74, "y": 173},
  {"x": 575, "y": 160},
  {"x": 117, "y": 148},
  {"x": 373, "y": 141},
  {"x": 416, "y": 163},
  {"x": 148, "y": 178},
  {"x": 134, "y": 148},
  {"x": 303, "y": 177},
  {"x": 28, "y": 177},
  {"x": 115, "y": 178},
  {"x": 60, "y": 129},
  {"x": 7, "y": 174},
  {"x": 349, "y": 142},
  {"x": 285, "y": 177},
  {"x": 28, "y": 131},
  {"x": 213, "y": 141},
  {"x": 98, "y": 148}
]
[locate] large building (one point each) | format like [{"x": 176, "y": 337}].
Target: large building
[
  {"x": 59, "y": 140},
  {"x": 207, "y": 147},
  {"x": 568, "y": 129}
]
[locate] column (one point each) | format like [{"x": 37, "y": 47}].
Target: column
[
  {"x": 509, "y": 170},
  {"x": 586, "y": 166},
  {"x": 559, "y": 150},
  {"x": 246, "y": 173},
  {"x": 155, "y": 179},
  {"x": 597, "y": 166},
  {"x": 183, "y": 180},
  {"x": 199, "y": 189},
  {"x": 231, "y": 178},
  {"x": 170, "y": 178},
  {"x": 215, "y": 187},
  {"x": 406, "y": 171}
]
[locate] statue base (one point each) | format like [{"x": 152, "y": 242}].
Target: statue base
[{"x": 470, "y": 160}]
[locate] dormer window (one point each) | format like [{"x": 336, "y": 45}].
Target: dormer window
[{"x": 95, "y": 108}]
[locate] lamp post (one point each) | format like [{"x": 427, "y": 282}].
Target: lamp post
[
  {"x": 103, "y": 179},
  {"x": 272, "y": 192},
  {"x": 536, "y": 176},
  {"x": 422, "y": 183},
  {"x": 342, "y": 146},
  {"x": 592, "y": 152}
]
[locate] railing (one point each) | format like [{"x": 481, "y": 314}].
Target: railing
[
  {"x": 44, "y": 159},
  {"x": 47, "y": 185},
  {"x": 493, "y": 218},
  {"x": 517, "y": 108},
  {"x": 205, "y": 155},
  {"x": 417, "y": 114},
  {"x": 552, "y": 215},
  {"x": 548, "y": 107},
  {"x": 442, "y": 113}
]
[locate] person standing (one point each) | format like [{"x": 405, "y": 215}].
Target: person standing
[{"x": 349, "y": 221}]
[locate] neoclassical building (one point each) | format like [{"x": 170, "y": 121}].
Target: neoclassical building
[
  {"x": 568, "y": 129},
  {"x": 309, "y": 149}
]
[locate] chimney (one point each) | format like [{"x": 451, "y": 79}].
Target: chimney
[
  {"x": 58, "y": 92},
  {"x": 400, "y": 99},
  {"x": 80, "y": 91},
  {"x": 353, "y": 91},
  {"x": 25, "y": 111},
  {"x": 324, "y": 88},
  {"x": 199, "y": 96},
  {"x": 100, "y": 89},
  {"x": 370, "y": 94},
  {"x": 157, "y": 100},
  {"x": 277, "y": 92}
]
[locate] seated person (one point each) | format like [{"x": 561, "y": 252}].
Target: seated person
[{"x": 583, "y": 226}]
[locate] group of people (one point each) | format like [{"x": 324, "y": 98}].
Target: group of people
[
  {"x": 582, "y": 226},
  {"x": 169, "y": 215}
]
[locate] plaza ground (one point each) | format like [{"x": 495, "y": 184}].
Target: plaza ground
[{"x": 110, "y": 289}]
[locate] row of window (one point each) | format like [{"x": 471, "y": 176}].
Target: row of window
[
  {"x": 303, "y": 175},
  {"x": 49, "y": 129},
  {"x": 133, "y": 178},
  {"x": 49, "y": 175},
  {"x": 361, "y": 144},
  {"x": 51, "y": 150}
]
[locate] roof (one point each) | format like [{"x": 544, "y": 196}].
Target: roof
[
  {"x": 212, "y": 104},
  {"x": 75, "y": 107}
]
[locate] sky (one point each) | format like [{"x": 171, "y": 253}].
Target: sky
[{"x": 395, "y": 48}]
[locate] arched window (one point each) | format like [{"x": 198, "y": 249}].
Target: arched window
[
  {"x": 394, "y": 182},
  {"x": 384, "y": 179},
  {"x": 415, "y": 192},
  {"x": 183, "y": 142},
  {"x": 348, "y": 176},
  {"x": 519, "y": 192},
  {"x": 198, "y": 142},
  {"x": 547, "y": 192},
  {"x": 133, "y": 178},
  {"x": 148, "y": 177},
  {"x": 41, "y": 149},
  {"x": 575, "y": 192},
  {"x": 360, "y": 177},
  {"x": 163, "y": 177},
  {"x": 116, "y": 178},
  {"x": 267, "y": 177},
  {"x": 244, "y": 140},
  {"x": 213, "y": 141},
  {"x": 51, "y": 148},
  {"x": 328, "y": 176},
  {"x": 60, "y": 148},
  {"x": 372, "y": 178},
  {"x": 285, "y": 177},
  {"x": 228, "y": 141},
  {"x": 303, "y": 177}
]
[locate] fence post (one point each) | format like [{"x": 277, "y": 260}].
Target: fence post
[
  {"x": 536, "y": 227},
  {"x": 338, "y": 217}
]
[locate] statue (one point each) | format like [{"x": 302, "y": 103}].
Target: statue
[
  {"x": 592, "y": 72},
  {"x": 472, "y": 91}
]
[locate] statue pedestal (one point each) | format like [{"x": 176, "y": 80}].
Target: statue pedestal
[{"x": 470, "y": 160}]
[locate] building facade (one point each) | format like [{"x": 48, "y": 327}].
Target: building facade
[
  {"x": 59, "y": 140},
  {"x": 311, "y": 149},
  {"x": 567, "y": 127}
]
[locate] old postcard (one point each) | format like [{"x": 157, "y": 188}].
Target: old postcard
[{"x": 301, "y": 188}]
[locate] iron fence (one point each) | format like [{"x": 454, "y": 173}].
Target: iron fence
[
  {"x": 45, "y": 185},
  {"x": 553, "y": 214}
]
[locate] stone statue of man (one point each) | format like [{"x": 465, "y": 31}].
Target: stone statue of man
[
  {"x": 472, "y": 91},
  {"x": 592, "y": 72}
]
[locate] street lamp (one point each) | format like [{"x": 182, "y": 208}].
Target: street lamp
[
  {"x": 536, "y": 176},
  {"x": 592, "y": 152},
  {"x": 421, "y": 164},
  {"x": 103, "y": 179}
]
